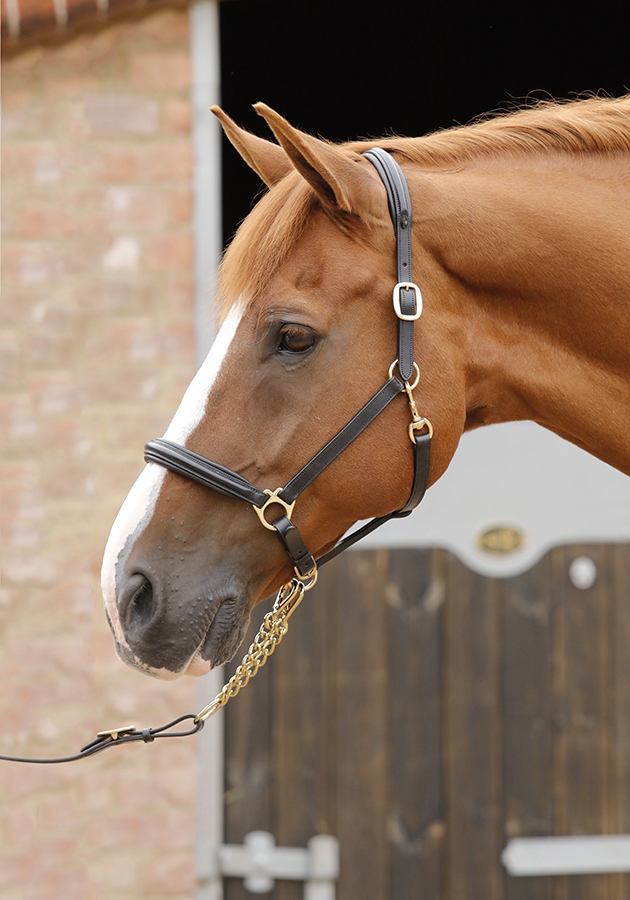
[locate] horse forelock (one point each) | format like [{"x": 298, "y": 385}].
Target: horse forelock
[
  {"x": 264, "y": 240},
  {"x": 595, "y": 125}
]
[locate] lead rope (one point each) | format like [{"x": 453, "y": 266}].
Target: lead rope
[{"x": 273, "y": 629}]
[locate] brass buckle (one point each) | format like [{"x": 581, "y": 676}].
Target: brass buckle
[
  {"x": 273, "y": 498},
  {"x": 410, "y": 286}
]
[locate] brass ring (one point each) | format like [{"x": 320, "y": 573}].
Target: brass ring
[
  {"x": 408, "y": 386},
  {"x": 309, "y": 580},
  {"x": 418, "y": 425},
  {"x": 273, "y": 498}
]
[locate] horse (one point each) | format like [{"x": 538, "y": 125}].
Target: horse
[{"x": 521, "y": 245}]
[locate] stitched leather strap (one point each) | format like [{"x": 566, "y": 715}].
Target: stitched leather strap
[
  {"x": 294, "y": 545},
  {"x": 422, "y": 463},
  {"x": 204, "y": 471},
  {"x": 399, "y": 203},
  {"x": 341, "y": 440}
]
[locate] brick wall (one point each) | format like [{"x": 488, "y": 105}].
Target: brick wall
[{"x": 96, "y": 349}]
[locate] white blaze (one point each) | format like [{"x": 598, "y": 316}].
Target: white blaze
[{"x": 136, "y": 511}]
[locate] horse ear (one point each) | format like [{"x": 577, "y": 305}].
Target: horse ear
[
  {"x": 336, "y": 176},
  {"x": 268, "y": 160}
]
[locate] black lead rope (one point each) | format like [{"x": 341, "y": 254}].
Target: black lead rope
[
  {"x": 116, "y": 737},
  {"x": 407, "y": 302}
]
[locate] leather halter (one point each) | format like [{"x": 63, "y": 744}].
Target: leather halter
[{"x": 407, "y": 301}]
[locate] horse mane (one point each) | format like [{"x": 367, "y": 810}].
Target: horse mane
[{"x": 596, "y": 125}]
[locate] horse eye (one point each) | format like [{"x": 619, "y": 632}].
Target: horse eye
[{"x": 295, "y": 339}]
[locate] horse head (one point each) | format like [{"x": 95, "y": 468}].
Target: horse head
[{"x": 308, "y": 335}]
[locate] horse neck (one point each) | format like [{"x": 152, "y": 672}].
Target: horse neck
[{"x": 531, "y": 260}]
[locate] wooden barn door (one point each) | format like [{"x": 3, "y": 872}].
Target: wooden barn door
[{"x": 424, "y": 715}]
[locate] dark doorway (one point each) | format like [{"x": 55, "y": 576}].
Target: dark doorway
[{"x": 359, "y": 69}]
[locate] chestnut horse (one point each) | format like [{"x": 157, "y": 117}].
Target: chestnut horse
[{"x": 521, "y": 242}]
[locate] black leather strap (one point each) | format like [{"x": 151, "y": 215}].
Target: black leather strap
[
  {"x": 342, "y": 439},
  {"x": 204, "y": 471},
  {"x": 146, "y": 735},
  {"x": 422, "y": 464},
  {"x": 399, "y": 203},
  {"x": 294, "y": 545}
]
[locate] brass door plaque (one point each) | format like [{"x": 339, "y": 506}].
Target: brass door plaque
[{"x": 501, "y": 539}]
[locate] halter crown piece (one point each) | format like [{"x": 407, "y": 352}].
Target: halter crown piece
[{"x": 407, "y": 303}]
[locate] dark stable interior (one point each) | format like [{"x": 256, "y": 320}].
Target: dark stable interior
[{"x": 349, "y": 69}]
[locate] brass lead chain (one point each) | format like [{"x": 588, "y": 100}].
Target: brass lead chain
[{"x": 273, "y": 629}]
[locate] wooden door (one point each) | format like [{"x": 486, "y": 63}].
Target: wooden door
[{"x": 425, "y": 714}]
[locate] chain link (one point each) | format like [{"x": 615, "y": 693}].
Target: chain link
[{"x": 274, "y": 627}]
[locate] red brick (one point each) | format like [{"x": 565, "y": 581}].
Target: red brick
[
  {"x": 177, "y": 115},
  {"x": 67, "y": 479},
  {"x": 56, "y": 393},
  {"x": 84, "y": 169},
  {"x": 31, "y": 122},
  {"x": 121, "y": 114},
  {"x": 69, "y": 87},
  {"x": 74, "y": 122},
  {"x": 20, "y": 567},
  {"x": 170, "y": 252},
  {"x": 122, "y": 254},
  {"x": 116, "y": 871},
  {"x": 35, "y": 162},
  {"x": 132, "y": 383},
  {"x": 53, "y": 875},
  {"x": 180, "y": 206},
  {"x": 179, "y": 341},
  {"x": 101, "y": 45},
  {"x": 134, "y": 827},
  {"x": 172, "y": 874},
  {"x": 158, "y": 161},
  {"x": 116, "y": 297},
  {"x": 32, "y": 265},
  {"x": 133, "y": 207},
  {"x": 21, "y": 488},
  {"x": 167, "y": 27},
  {"x": 180, "y": 293},
  {"x": 10, "y": 363},
  {"x": 42, "y": 218},
  {"x": 160, "y": 71},
  {"x": 69, "y": 439},
  {"x": 20, "y": 98}
]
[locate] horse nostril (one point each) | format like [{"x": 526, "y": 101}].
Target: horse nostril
[{"x": 140, "y": 605}]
